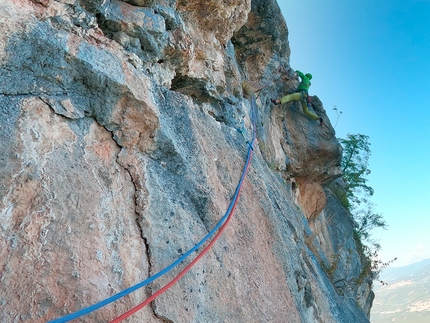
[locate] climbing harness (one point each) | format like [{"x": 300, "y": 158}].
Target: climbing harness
[
  {"x": 221, "y": 225},
  {"x": 304, "y": 95}
]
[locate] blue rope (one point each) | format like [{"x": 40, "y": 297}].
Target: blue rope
[
  {"x": 147, "y": 281},
  {"x": 127, "y": 291}
]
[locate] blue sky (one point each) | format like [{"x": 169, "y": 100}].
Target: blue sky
[{"x": 371, "y": 59}]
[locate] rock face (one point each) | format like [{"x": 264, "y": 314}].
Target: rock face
[{"x": 120, "y": 150}]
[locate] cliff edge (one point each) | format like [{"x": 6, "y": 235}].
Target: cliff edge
[{"x": 124, "y": 128}]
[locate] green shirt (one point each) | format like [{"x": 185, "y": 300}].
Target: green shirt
[{"x": 305, "y": 83}]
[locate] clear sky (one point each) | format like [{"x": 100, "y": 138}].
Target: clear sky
[{"x": 371, "y": 59}]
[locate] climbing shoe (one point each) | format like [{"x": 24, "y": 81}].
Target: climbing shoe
[
  {"x": 320, "y": 121},
  {"x": 275, "y": 102}
]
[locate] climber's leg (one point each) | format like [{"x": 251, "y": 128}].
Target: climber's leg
[
  {"x": 291, "y": 97},
  {"x": 306, "y": 111}
]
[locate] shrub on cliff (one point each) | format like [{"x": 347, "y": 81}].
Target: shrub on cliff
[
  {"x": 355, "y": 160},
  {"x": 355, "y": 168},
  {"x": 356, "y": 198}
]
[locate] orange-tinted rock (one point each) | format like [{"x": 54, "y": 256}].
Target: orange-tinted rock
[{"x": 312, "y": 198}]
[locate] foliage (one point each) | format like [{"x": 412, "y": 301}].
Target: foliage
[
  {"x": 355, "y": 160},
  {"x": 355, "y": 163},
  {"x": 373, "y": 265},
  {"x": 355, "y": 169},
  {"x": 338, "y": 113},
  {"x": 366, "y": 220}
]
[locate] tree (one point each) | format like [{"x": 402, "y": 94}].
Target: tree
[
  {"x": 355, "y": 168},
  {"x": 355, "y": 161},
  {"x": 366, "y": 220}
]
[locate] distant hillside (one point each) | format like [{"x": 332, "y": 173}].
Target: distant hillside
[
  {"x": 406, "y": 298},
  {"x": 394, "y": 273}
]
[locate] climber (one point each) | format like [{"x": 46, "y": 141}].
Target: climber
[{"x": 302, "y": 96}]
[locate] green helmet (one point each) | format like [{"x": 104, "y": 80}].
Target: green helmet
[{"x": 309, "y": 76}]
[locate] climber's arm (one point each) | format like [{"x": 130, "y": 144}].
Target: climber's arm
[{"x": 300, "y": 74}]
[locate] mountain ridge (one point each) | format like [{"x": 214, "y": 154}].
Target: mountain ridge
[
  {"x": 406, "y": 295},
  {"x": 394, "y": 272}
]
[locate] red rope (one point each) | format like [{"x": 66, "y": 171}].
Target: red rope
[{"x": 183, "y": 272}]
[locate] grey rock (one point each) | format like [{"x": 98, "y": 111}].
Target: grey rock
[{"x": 124, "y": 131}]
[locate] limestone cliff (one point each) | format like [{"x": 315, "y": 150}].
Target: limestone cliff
[{"x": 120, "y": 150}]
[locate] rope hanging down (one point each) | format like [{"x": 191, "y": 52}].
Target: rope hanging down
[
  {"x": 147, "y": 281},
  {"x": 183, "y": 272},
  {"x": 222, "y": 223}
]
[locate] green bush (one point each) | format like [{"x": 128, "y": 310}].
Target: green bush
[{"x": 356, "y": 198}]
